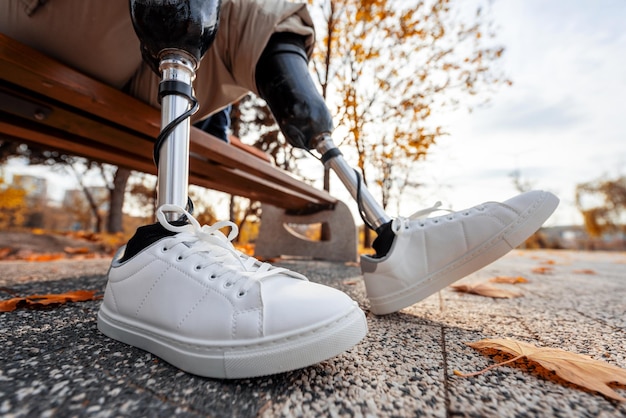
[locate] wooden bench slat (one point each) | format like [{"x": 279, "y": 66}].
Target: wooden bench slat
[
  {"x": 228, "y": 155},
  {"x": 107, "y": 125},
  {"x": 215, "y": 177},
  {"x": 83, "y": 126},
  {"x": 24, "y": 66},
  {"x": 80, "y": 148}
]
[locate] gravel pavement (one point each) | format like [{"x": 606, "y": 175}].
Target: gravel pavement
[{"x": 56, "y": 363}]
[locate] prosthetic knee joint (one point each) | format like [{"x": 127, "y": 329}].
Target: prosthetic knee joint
[
  {"x": 284, "y": 82},
  {"x": 174, "y": 36}
]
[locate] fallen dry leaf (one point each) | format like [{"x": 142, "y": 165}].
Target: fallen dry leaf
[
  {"x": 37, "y": 301},
  {"x": 484, "y": 289},
  {"x": 45, "y": 257},
  {"x": 542, "y": 270},
  {"x": 9, "y": 305},
  {"x": 575, "y": 368},
  {"x": 76, "y": 250},
  {"x": 509, "y": 280},
  {"x": 4, "y": 251},
  {"x": 585, "y": 271}
]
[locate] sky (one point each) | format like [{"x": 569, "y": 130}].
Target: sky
[{"x": 561, "y": 123}]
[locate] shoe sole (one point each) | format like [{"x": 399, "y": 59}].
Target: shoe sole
[
  {"x": 258, "y": 358},
  {"x": 489, "y": 252}
]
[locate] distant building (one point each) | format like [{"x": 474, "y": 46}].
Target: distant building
[
  {"x": 76, "y": 204},
  {"x": 72, "y": 196},
  {"x": 36, "y": 188},
  {"x": 575, "y": 237},
  {"x": 100, "y": 195}
]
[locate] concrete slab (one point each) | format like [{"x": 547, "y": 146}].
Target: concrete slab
[{"x": 55, "y": 363}]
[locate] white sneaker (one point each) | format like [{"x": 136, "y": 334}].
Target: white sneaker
[
  {"x": 192, "y": 299},
  {"x": 430, "y": 254}
]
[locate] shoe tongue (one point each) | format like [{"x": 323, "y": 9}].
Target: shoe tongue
[{"x": 147, "y": 235}]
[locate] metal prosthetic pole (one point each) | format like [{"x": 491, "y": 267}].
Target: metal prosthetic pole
[
  {"x": 371, "y": 211},
  {"x": 173, "y": 166},
  {"x": 284, "y": 81},
  {"x": 174, "y": 36}
]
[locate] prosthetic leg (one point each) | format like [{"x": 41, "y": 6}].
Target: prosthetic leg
[
  {"x": 174, "y": 36},
  {"x": 186, "y": 294},
  {"x": 415, "y": 256},
  {"x": 284, "y": 82}
]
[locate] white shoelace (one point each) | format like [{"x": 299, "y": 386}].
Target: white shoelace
[
  {"x": 400, "y": 223},
  {"x": 218, "y": 249}
]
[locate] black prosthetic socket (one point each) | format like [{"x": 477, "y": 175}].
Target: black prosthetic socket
[
  {"x": 161, "y": 25},
  {"x": 383, "y": 242},
  {"x": 284, "y": 82}
]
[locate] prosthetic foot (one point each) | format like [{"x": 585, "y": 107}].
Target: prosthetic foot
[
  {"x": 182, "y": 291},
  {"x": 415, "y": 257}
]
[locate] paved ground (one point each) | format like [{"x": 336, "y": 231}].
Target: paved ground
[{"x": 55, "y": 362}]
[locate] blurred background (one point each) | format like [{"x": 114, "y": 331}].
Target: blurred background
[{"x": 453, "y": 101}]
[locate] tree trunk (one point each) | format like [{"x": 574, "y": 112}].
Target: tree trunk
[
  {"x": 116, "y": 202},
  {"x": 90, "y": 200},
  {"x": 93, "y": 207},
  {"x": 231, "y": 209}
]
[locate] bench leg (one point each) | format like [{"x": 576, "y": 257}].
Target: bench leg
[{"x": 277, "y": 238}]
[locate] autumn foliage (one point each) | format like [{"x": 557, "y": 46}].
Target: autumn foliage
[
  {"x": 387, "y": 66},
  {"x": 602, "y": 204},
  {"x": 12, "y": 205}
]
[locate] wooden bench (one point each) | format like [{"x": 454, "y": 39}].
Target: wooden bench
[{"x": 44, "y": 102}]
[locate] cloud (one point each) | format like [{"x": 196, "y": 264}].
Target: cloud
[{"x": 530, "y": 115}]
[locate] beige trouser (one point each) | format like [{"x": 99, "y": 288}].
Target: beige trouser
[{"x": 97, "y": 38}]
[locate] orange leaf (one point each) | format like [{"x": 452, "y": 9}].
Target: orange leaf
[
  {"x": 575, "y": 368},
  {"x": 4, "y": 251},
  {"x": 9, "y": 305},
  {"x": 45, "y": 257},
  {"x": 484, "y": 289},
  {"x": 76, "y": 250},
  {"x": 73, "y": 296},
  {"x": 542, "y": 270},
  {"x": 509, "y": 280},
  {"x": 585, "y": 271},
  {"x": 47, "y": 299}
]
